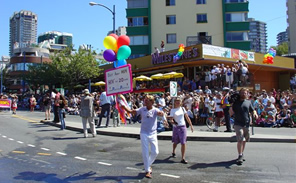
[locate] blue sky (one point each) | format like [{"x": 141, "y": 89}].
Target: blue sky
[{"x": 90, "y": 24}]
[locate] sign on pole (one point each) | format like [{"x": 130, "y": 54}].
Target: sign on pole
[
  {"x": 119, "y": 80},
  {"x": 173, "y": 89}
]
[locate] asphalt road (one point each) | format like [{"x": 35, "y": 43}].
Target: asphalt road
[{"x": 34, "y": 152}]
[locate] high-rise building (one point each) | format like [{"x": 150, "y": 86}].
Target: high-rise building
[
  {"x": 57, "y": 40},
  {"x": 219, "y": 22},
  {"x": 282, "y": 37},
  {"x": 23, "y": 30},
  {"x": 120, "y": 31},
  {"x": 258, "y": 35},
  {"x": 291, "y": 20}
]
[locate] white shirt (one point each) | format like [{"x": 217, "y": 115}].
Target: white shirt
[
  {"x": 218, "y": 107},
  {"x": 149, "y": 120},
  {"x": 104, "y": 99},
  {"x": 178, "y": 115},
  {"x": 161, "y": 102}
]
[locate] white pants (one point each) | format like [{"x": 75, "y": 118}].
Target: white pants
[
  {"x": 149, "y": 158},
  {"x": 91, "y": 124}
]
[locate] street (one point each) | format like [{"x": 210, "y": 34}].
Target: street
[{"x": 35, "y": 152}]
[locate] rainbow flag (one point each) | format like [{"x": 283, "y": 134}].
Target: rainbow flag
[{"x": 121, "y": 101}]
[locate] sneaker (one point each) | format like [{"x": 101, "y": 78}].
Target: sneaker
[
  {"x": 173, "y": 155},
  {"x": 184, "y": 161},
  {"x": 215, "y": 130},
  {"x": 239, "y": 160}
]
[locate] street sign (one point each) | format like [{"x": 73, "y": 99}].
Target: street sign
[{"x": 173, "y": 89}]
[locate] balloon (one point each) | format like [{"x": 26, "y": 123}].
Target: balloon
[
  {"x": 109, "y": 55},
  {"x": 123, "y": 40},
  {"x": 114, "y": 35},
  {"x": 119, "y": 63},
  {"x": 123, "y": 52},
  {"x": 110, "y": 43}
]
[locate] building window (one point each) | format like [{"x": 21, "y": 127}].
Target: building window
[
  {"x": 200, "y": 1},
  {"x": 236, "y": 1},
  {"x": 138, "y": 40},
  {"x": 171, "y": 19},
  {"x": 170, "y": 2},
  {"x": 236, "y": 17},
  {"x": 236, "y": 36},
  {"x": 201, "y": 18},
  {"x": 137, "y": 21},
  {"x": 171, "y": 38},
  {"x": 137, "y": 3}
]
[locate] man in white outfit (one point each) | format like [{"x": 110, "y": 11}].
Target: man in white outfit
[
  {"x": 148, "y": 132},
  {"x": 87, "y": 113}
]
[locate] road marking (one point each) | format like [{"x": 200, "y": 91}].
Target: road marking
[
  {"x": 64, "y": 154},
  {"x": 168, "y": 175},
  {"x": 45, "y": 149},
  {"x": 102, "y": 163},
  {"x": 20, "y": 142},
  {"x": 77, "y": 157},
  {"x": 19, "y": 152},
  {"x": 31, "y": 145},
  {"x": 4, "y": 136},
  {"x": 44, "y": 154},
  {"x": 39, "y": 161},
  {"x": 10, "y": 139}
]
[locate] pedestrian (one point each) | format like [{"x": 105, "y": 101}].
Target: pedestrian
[
  {"x": 33, "y": 103},
  {"x": 63, "y": 104},
  {"x": 14, "y": 104},
  {"x": 56, "y": 97},
  {"x": 88, "y": 113},
  {"x": 218, "y": 111},
  {"x": 148, "y": 133},
  {"x": 242, "y": 108},
  {"x": 47, "y": 106},
  {"x": 105, "y": 104},
  {"x": 225, "y": 106},
  {"x": 162, "y": 46},
  {"x": 176, "y": 117}
]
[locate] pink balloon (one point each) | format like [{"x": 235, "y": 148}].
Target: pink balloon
[
  {"x": 123, "y": 40},
  {"x": 114, "y": 35}
]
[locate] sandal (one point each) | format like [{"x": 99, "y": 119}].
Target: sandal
[
  {"x": 148, "y": 175},
  {"x": 184, "y": 161}
]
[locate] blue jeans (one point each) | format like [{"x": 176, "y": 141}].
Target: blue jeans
[{"x": 61, "y": 116}]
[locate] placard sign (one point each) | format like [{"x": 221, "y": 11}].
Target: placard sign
[
  {"x": 5, "y": 103},
  {"x": 119, "y": 80},
  {"x": 173, "y": 89}
]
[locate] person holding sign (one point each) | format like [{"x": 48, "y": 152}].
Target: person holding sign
[{"x": 148, "y": 132}]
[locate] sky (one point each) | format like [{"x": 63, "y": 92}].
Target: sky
[{"x": 90, "y": 24}]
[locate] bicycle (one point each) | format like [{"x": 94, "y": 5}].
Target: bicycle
[{"x": 210, "y": 122}]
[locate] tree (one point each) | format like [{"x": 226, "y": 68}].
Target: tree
[{"x": 281, "y": 49}]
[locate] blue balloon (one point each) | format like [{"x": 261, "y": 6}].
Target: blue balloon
[{"x": 119, "y": 63}]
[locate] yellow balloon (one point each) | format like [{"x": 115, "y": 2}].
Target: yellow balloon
[{"x": 110, "y": 43}]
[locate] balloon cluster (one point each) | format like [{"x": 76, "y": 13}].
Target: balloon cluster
[
  {"x": 268, "y": 58},
  {"x": 117, "y": 49},
  {"x": 180, "y": 52}
]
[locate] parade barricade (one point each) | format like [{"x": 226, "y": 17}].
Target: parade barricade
[{"x": 5, "y": 104}]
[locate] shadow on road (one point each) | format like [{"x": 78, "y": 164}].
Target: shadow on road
[
  {"x": 226, "y": 164},
  {"x": 67, "y": 138},
  {"x": 40, "y": 176}
]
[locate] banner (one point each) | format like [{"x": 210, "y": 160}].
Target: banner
[
  {"x": 119, "y": 80},
  {"x": 5, "y": 103}
]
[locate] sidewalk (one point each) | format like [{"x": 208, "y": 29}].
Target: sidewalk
[{"x": 201, "y": 133}]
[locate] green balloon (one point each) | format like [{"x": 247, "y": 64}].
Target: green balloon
[{"x": 123, "y": 52}]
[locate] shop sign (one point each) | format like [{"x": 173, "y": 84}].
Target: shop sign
[
  {"x": 173, "y": 89},
  {"x": 119, "y": 80},
  {"x": 167, "y": 58},
  {"x": 218, "y": 51}
]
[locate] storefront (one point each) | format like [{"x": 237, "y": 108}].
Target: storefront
[{"x": 196, "y": 59}]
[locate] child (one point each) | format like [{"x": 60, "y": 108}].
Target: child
[
  {"x": 270, "y": 120},
  {"x": 195, "y": 108},
  {"x": 115, "y": 117},
  {"x": 261, "y": 119}
]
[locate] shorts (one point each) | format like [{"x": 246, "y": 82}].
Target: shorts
[
  {"x": 179, "y": 134},
  {"x": 242, "y": 133},
  {"x": 195, "y": 111},
  {"x": 47, "y": 107},
  {"x": 219, "y": 114}
]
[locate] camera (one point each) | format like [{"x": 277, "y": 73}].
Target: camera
[{"x": 234, "y": 97}]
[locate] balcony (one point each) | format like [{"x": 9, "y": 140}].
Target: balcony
[{"x": 194, "y": 40}]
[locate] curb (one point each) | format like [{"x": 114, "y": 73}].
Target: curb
[{"x": 169, "y": 137}]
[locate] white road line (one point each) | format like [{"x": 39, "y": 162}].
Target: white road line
[
  {"x": 40, "y": 161},
  {"x": 168, "y": 175},
  {"x": 4, "y": 136},
  {"x": 45, "y": 149},
  {"x": 64, "y": 154},
  {"x": 20, "y": 142},
  {"x": 102, "y": 163},
  {"x": 77, "y": 157},
  {"x": 10, "y": 139},
  {"x": 31, "y": 145}
]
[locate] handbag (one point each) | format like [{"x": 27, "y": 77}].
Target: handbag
[{"x": 187, "y": 123}]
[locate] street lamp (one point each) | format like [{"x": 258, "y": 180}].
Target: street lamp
[{"x": 113, "y": 12}]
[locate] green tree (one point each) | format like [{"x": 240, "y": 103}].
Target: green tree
[{"x": 281, "y": 49}]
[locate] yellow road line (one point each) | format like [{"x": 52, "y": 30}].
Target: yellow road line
[
  {"x": 26, "y": 119},
  {"x": 44, "y": 154},
  {"x": 19, "y": 152}
]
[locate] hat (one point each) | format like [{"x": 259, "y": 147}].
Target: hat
[
  {"x": 191, "y": 94},
  {"x": 270, "y": 113},
  {"x": 225, "y": 89},
  {"x": 86, "y": 91},
  {"x": 285, "y": 105}
]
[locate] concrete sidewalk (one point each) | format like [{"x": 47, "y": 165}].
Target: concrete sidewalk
[{"x": 201, "y": 133}]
